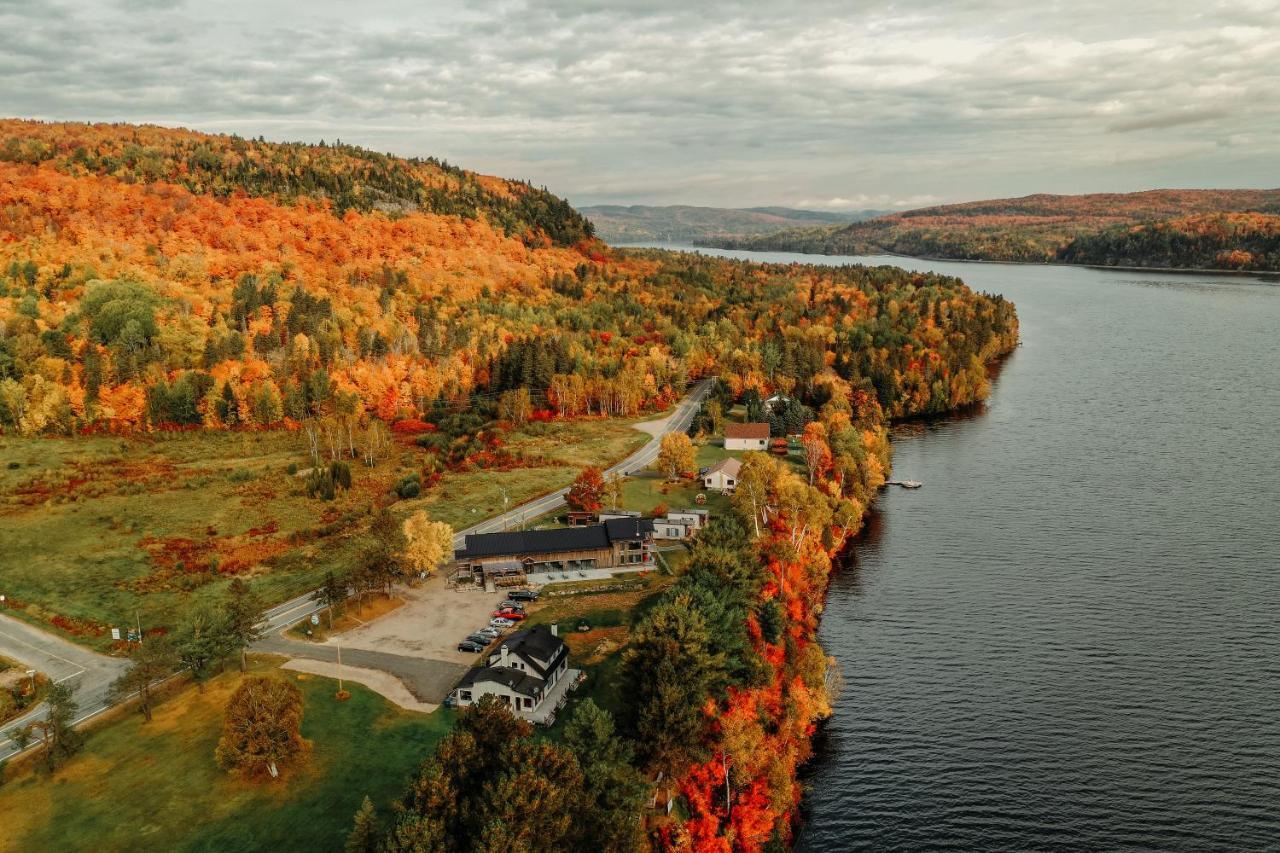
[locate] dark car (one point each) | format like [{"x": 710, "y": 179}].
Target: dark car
[
  {"x": 468, "y": 646},
  {"x": 480, "y": 639},
  {"x": 523, "y": 595},
  {"x": 511, "y": 604}
]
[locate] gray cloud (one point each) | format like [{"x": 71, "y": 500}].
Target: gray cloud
[{"x": 716, "y": 103}]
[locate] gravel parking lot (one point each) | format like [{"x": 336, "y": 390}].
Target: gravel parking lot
[{"x": 433, "y": 620}]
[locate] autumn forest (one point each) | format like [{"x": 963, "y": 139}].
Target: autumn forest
[{"x": 154, "y": 281}]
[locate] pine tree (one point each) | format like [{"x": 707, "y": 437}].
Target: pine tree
[{"x": 365, "y": 835}]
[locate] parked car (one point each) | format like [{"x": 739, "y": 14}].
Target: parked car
[
  {"x": 511, "y": 605},
  {"x": 499, "y": 622},
  {"x": 450, "y": 701},
  {"x": 469, "y": 646},
  {"x": 489, "y": 632},
  {"x": 513, "y": 615},
  {"x": 482, "y": 639},
  {"x": 523, "y": 595}
]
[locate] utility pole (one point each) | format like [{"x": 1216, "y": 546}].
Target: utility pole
[{"x": 340, "y": 671}]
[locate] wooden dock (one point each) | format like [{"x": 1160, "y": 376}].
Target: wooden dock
[{"x": 906, "y": 484}]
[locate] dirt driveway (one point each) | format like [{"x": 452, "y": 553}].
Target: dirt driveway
[{"x": 433, "y": 620}]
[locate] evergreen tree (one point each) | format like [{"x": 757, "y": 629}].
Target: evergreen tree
[{"x": 365, "y": 835}]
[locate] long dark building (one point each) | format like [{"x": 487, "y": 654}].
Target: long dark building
[{"x": 616, "y": 543}]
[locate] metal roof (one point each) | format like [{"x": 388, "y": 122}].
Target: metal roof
[
  {"x": 591, "y": 537},
  {"x": 746, "y": 430}
]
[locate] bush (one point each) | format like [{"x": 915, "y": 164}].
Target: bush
[
  {"x": 409, "y": 487},
  {"x": 293, "y": 468}
]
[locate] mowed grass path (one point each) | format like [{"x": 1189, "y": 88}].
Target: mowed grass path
[
  {"x": 101, "y": 531},
  {"x": 156, "y": 786}
]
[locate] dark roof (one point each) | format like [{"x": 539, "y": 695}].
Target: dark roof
[
  {"x": 512, "y": 679},
  {"x": 588, "y": 538},
  {"x": 536, "y": 644},
  {"x": 624, "y": 529},
  {"x": 746, "y": 430}
]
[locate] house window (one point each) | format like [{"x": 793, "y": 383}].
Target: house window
[
  {"x": 728, "y": 482},
  {"x": 464, "y": 695}
]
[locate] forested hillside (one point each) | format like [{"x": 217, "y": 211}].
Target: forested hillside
[
  {"x": 680, "y": 223},
  {"x": 1238, "y": 241},
  {"x": 1036, "y": 229},
  {"x": 132, "y": 302},
  {"x": 157, "y": 280}
]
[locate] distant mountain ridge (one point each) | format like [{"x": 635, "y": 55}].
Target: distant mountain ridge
[
  {"x": 1046, "y": 228},
  {"x": 681, "y": 223}
]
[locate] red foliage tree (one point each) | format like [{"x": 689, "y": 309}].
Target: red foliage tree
[{"x": 587, "y": 492}]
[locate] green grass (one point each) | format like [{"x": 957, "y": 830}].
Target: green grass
[
  {"x": 77, "y": 514},
  {"x": 157, "y": 784}
]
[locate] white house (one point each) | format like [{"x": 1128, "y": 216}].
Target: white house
[
  {"x": 694, "y": 519},
  {"x": 722, "y": 476},
  {"x": 530, "y": 672},
  {"x": 668, "y": 528},
  {"x": 746, "y": 437}
]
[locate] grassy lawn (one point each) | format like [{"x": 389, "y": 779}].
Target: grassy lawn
[
  {"x": 102, "y": 530},
  {"x": 157, "y": 786}
]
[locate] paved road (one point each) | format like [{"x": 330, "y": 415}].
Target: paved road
[
  {"x": 62, "y": 661},
  {"x": 297, "y": 609},
  {"x": 428, "y": 680}
]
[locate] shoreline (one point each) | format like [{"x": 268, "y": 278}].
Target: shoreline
[{"x": 1263, "y": 274}]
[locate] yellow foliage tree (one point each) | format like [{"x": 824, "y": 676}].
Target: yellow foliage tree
[
  {"x": 675, "y": 454},
  {"x": 427, "y": 542}
]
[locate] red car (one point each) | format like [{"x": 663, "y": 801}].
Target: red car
[{"x": 513, "y": 615}]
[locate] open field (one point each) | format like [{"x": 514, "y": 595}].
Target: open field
[
  {"x": 156, "y": 785},
  {"x": 103, "y": 531}
]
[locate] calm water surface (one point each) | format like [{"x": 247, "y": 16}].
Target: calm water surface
[{"x": 1069, "y": 639}]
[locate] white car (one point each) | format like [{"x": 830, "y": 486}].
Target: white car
[
  {"x": 489, "y": 632},
  {"x": 499, "y": 622}
]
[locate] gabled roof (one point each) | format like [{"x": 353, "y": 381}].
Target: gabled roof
[
  {"x": 512, "y": 679},
  {"x": 589, "y": 537},
  {"x": 746, "y": 430},
  {"x": 729, "y": 467},
  {"x": 534, "y": 645}
]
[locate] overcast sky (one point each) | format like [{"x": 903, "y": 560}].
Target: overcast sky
[{"x": 812, "y": 104}]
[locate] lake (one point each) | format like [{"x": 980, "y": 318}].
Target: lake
[{"x": 1069, "y": 639}]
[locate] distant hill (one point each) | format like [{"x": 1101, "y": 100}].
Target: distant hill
[
  {"x": 1047, "y": 229},
  {"x": 637, "y": 223}
]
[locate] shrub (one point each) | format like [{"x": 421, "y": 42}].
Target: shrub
[
  {"x": 293, "y": 468},
  {"x": 409, "y": 487}
]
